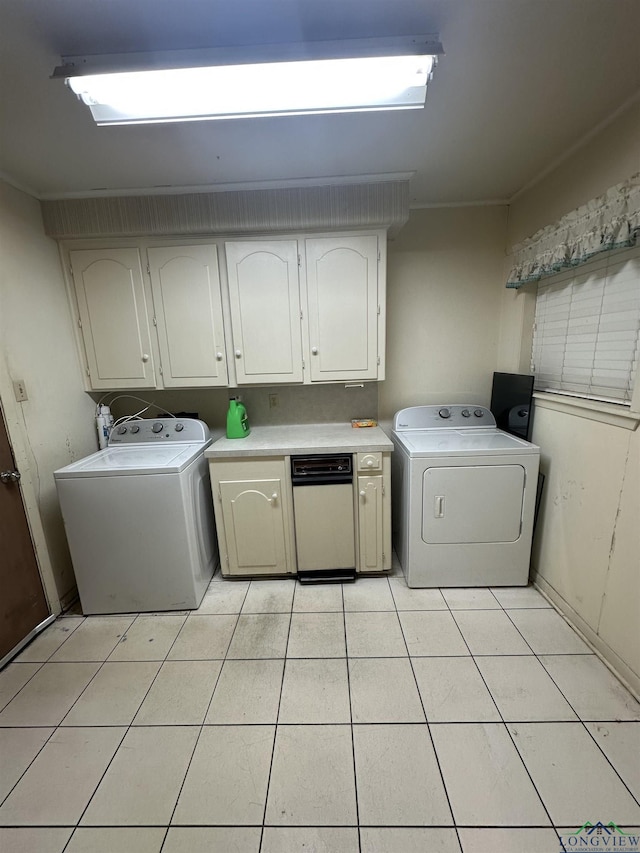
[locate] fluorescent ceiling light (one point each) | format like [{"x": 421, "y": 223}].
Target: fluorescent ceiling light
[{"x": 387, "y": 74}]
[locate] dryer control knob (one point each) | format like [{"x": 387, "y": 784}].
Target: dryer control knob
[
  {"x": 479, "y": 413},
  {"x": 465, "y": 413},
  {"x": 121, "y": 430},
  {"x": 445, "y": 413},
  {"x": 179, "y": 427},
  {"x": 135, "y": 428},
  {"x": 157, "y": 427}
]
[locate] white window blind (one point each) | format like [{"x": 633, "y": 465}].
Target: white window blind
[{"x": 587, "y": 329}]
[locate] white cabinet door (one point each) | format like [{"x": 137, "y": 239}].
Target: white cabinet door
[
  {"x": 254, "y": 525},
  {"x": 370, "y": 523},
  {"x": 186, "y": 294},
  {"x": 342, "y": 294},
  {"x": 265, "y": 310},
  {"x": 113, "y": 312}
]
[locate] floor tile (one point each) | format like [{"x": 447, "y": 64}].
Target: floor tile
[
  {"x": 368, "y": 594},
  {"x": 383, "y": 690},
  {"x": 471, "y": 752},
  {"x": 310, "y": 839},
  {"x": 18, "y": 748},
  {"x": 117, "y": 840},
  {"x": 212, "y": 839},
  {"x": 620, "y": 742},
  {"x": 228, "y": 777},
  {"x": 523, "y": 690},
  {"x": 50, "y": 640},
  {"x": 453, "y": 691},
  {"x": 432, "y": 633},
  {"x": 509, "y": 841},
  {"x": 180, "y": 695},
  {"x": 149, "y": 638},
  {"x": 375, "y": 635},
  {"x": 204, "y": 638},
  {"x": 221, "y": 598},
  {"x": 260, "y": 636},
  {"x": 397, "y": 776},
  {"x": 547, "y": 633},
  {"x": 114, "y": 695},
  {"x": 404, "y": 840},
  {"x": 490, "y": 632},
  {"x": 94, "y": 640},
  {"x": 406, "y": 598},
  {"x": 310, "y": 598},
  {"x": 514, "y": 597},
  {"x": 312, "y": 780},
  {"x": 269, "y": 596},
  {"x": 572, "y": 776},
  {"x": 315, "y": 691},
  {"x": 316, "y": 635},
  {"x": 248, "y": 691},
  {"x": 143, "y": 781},
  {"x": 13, "y": 678},
  {"x": 48, "y": 696},
  {"x": 590, "y": 687},
  {"x": 58, "y": 785},
  {"x": 30, "y": 840},
  {"x": 470, "y": 599}
]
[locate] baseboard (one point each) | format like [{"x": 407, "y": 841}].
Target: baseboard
[{"x": 613, "y": 661}]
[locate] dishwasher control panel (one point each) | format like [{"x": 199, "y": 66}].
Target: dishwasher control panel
[{"x": 321, "y": 468}]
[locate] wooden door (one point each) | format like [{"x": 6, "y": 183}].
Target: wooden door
[
  {"x": 265, "y": 310},
  {"x": 188, "y": 310},
  {"x": 23, "y": 605}
]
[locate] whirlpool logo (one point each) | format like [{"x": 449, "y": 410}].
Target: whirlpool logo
[{"x": 600, "y": 836}]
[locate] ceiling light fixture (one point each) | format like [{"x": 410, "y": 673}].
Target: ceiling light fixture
[{"x": 265, "y": 80}]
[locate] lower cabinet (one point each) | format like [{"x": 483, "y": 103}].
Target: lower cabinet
[{"x": 253, "y": 503}]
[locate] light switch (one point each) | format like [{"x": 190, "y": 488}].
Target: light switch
[{"x": 20, "y": 390}]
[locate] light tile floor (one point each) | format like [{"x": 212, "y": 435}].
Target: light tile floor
[{"x": 369, "y": 718}]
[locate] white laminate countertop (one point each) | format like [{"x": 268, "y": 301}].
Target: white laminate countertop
[{"x": 295, "y": 439}]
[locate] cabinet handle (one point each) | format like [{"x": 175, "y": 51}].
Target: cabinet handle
[
  {"x": 274, "y": 497},
  {"x": 219, "y": 356},
  {"x": 238, "y": 354},
  {"x": 145, "y": 356},
  {"x": 314, "y": 350},
  {"x": 370, "y": 463},
  {"x": 363, "y": 494}
]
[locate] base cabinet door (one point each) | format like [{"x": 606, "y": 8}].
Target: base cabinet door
[
  {"x": 374, "y": 512},
  {"x": 253, "y": 515}
]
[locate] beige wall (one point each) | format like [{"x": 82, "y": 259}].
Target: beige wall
[
  {"x": 55, "y": 425},
  {"x": 443, "y": 307},
  {"x": 587, "y": 544}
]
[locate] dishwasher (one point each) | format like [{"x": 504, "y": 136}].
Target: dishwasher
[{"x": 324, "y": 517}]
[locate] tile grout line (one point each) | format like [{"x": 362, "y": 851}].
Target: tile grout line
[{"x": 353, "y": 743}]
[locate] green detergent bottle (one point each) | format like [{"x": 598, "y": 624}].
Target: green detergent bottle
[{"x": 237, "y": 420}]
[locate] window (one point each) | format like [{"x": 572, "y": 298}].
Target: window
[{"x": 587, "y": 329}]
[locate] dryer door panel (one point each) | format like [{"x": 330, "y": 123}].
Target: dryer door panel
[{"x": 480, "y": 503}]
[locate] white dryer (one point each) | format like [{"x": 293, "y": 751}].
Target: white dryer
[
  {"x": 139, "y": 518},
  {"x": 464, "y": 495}
]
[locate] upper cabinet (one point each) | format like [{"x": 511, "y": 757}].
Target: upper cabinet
[{"x": 289, "y": 310}]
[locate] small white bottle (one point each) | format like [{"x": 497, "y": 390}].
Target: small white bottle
[{"x": 104, "y": 422}]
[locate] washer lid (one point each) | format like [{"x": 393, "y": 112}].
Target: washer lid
[
  {"x": 134, "y": 459},
  {"x": 476, "y": 442}
]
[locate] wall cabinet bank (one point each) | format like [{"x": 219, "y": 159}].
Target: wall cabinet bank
[{"x": 230, "y": 312}]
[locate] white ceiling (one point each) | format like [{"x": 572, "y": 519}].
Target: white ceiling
[{"x": 521, "y": 83}]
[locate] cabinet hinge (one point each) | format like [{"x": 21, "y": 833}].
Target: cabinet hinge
[
  {"x": 160, "y": 369},
  {"x": 378, "y": 360},
  {"x": 299, "y": 260},
  {"x": 301, "y": 315},
  {"x": 88, "y": 373},
  {"x": 303, "y": 364},
  {"x": 71, "y": 271},
  {"x": 227, "y": 559},
  {"x": 384, "y": 491},
  {"x": 379, "y": 312},
  {"x": 155, "y": 322},
  {"x": 379, "y": 258},
  {"x": 79, "y": 322},
  {"x": 148, "y": 270}
]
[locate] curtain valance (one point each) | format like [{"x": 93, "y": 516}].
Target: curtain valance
[{"x": 611, "y": 221}]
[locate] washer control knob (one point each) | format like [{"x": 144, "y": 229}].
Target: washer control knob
[
  {"x": 121, "y": 430},
  {"x": 445, "y": 413},
  {"x": 157, "y": 427},
  {"x": 179, "y": 427},
  {"x": 135, "y": 428},
  {"x": 478, "y": 413},
  {"x": 465, "y": 413}
]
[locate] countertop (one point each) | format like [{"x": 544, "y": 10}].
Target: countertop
[{"x": 295, "y": 439}]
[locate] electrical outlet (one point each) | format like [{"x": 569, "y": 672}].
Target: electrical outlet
[
  {"x": 20, "y": 390},
  {"x": 274, "y": 401}
]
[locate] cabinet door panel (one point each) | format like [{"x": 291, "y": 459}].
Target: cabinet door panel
[
  {"x": 186, "y": 293},
  {"x": 371, "y": 523},
  {"x": 254, "y": 524},
  {"x": 113, "y": 312},
  {"x": 342, "y": 292},
  {"x": 265, "y": 310}
]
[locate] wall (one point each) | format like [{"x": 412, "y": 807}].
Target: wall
[
  {"x": 55, "y": 425},
  {"x": 587, "y": 543},
  {"x": 443, "y": 308}
]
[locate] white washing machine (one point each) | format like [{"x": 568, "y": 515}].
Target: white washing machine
[
  {"x": 464, "y": 495},
  {"x": 139, "y": 518}
]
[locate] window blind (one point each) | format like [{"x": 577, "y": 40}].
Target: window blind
[{"x": 586, "y": 337}]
